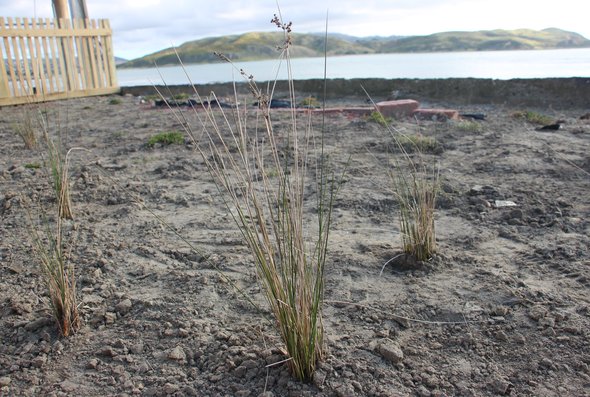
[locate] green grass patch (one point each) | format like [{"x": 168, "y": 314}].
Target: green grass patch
[
  {"x": 420, "y": 143},
  {"x": 32, "y": 166},
  {"x": 166, "y": 138},
  {"x": 115, "y": 101},
  {"x": 468, "y": 126},
  {"x": 182, "y": 96},
  {"x": 309, "y": 102},
  {"x": 532, "y": 117},
  {"x": 377, "y": 117}
]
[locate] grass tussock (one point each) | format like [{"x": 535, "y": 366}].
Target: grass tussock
[
  {"x": 415, "y": 186},
  {"x": 166, "y": 138},
  {"x": 58, "y": 273},
  {"x": 27, "y": 129},
  {"x": 377, "y": 117},
  {"x": 309, "y": 102},
  {"x": 532, "y": 117},
  {"x": 416, "y": 193},
  {"x": 265, "y": 178},
  {"x": 468, "y": 126},
  {"x": 419, "y": 143}
]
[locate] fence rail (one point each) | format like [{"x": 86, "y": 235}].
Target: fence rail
[{"x": 48, "y": 59}]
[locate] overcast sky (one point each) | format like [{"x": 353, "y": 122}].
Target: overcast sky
[{"x": 145, "y": 26}]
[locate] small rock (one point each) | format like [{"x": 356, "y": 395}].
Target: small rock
[
  {"x": 177, "y": 354},
  {"x": 142, "y": 368},
  {"x": 500, "y": 386},
  {"x": 519, "y": 338},
  {"x": 39, "y": 361},
  {"x": 537, "y": 312},
  {"x": 92, "y": 363},
  {"x": 4, "y": 381},
  {"x": 504, "y": 203},
  {"x": 547, "y": 322},
  {"x": 422, "y": 391},
  {"x": 547, "y": 363},
  {"x": 108, "y": 352},
  {"x": 169, "y": 388},
  {"x": 319, "y": 377},
  {"x": 124, "y": 306},
  {"x": 476, "y": 190},
  {"x": 390, "y": 351},
  {"x": 136, "y": 348},
  {"x": 39, "y": 323},
  {"x": 501, "y": 335},
  {"x": 110, "y": 318},
  {"x": 68, "y": 386},
  {"x": 500, "y": 311}
]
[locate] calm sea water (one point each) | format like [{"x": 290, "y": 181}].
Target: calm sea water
[{"x": 491, "y": 64}]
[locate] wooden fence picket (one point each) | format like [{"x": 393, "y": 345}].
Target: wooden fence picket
[{"x": 49, "y": 59}]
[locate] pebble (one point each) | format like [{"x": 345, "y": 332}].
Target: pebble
[
  {"x": 124, "y": 306},
  {"x": 39, "y": 361},
  {"x": 68, "y": 386},
  {"x": 169, "y": 388},
  {"x": 319, "y": 377},
  {"x": 547, "y": 322},
  {"x": 519, "y": 338},
  {"x": 422, "y": 391},
  {"x": 547, "y": 363},
  {"x": 136, "y": 348},
  {"x": 39, "y": 323},
  {"x": 500, "y": 386},
  {"x": 92, "y": 363},
  {"x": 4, "y": 381},
  {"x": 390, "y": 351},
  {"x": 537, "y": 312},
  {"x": 108, "y": 352},
  {"x": 110, "y": 318},
  {"x": 177, "y": 354}
]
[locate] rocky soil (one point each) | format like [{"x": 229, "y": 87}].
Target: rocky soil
[{"x": 502, "y": 309}]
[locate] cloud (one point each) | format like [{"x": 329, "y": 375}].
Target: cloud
[{"x": 145, "y": 26}]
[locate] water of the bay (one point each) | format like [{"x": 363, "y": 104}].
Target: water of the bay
[{"x": 490, "y": 64}]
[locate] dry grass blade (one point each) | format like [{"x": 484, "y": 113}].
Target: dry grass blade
[{"x": 58, "y": 168}]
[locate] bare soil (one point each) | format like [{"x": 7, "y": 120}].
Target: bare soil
[{"x": 502, "y": 309}]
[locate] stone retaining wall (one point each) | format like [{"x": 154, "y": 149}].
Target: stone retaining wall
[{"x": 558, "y": 93}]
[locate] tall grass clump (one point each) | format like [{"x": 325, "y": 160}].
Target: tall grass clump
[
  {"x": 27, "y": 131},
  {"x": 415, "y": 185},
  {"x": 416, "y": 193},
  {"x": 51, "y": 251},
  {"x": 266, "y": 178}
]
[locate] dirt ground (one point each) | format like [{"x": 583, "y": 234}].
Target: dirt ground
[{"x": 502, "y": 309}]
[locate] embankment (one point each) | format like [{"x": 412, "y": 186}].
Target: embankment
[{"x": 559, "y": 93}]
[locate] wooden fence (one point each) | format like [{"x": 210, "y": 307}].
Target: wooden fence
[{"x": 44, "y": 60}]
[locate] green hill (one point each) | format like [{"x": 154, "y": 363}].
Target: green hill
[
  {"x": 488, "y": 40},
  {"x": 259, "y": 45}
]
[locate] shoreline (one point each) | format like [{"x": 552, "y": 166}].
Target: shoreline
[{"x": 558, "y": 93}]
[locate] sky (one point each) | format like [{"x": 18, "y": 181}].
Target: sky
[{"x": 141, "y": 27}]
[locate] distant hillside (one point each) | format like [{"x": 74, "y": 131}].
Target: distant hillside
[
  {"x": 258, "y": 45},
  {"x": 488, "y": 40}
]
